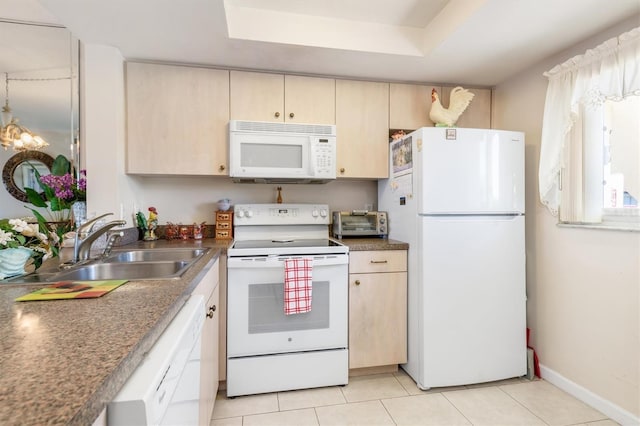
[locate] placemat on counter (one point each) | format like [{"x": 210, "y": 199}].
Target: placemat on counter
[{"x": 72, "y": 290}]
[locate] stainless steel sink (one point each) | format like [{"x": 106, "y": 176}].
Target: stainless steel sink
[
  {"x": 154, "y": 255},
  {"x": 126, "y": 271},
  {"x": 134, "y": 264}
]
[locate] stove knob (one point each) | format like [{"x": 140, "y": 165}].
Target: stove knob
[
  {"x": 249, "y": 213},
  {"x": 240, "y": 213},
  {"x": 323, "y": 213},
  {"x": 314, "y": 213}
]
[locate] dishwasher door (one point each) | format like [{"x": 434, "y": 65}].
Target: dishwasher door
[{"x": 165, "y": 388}]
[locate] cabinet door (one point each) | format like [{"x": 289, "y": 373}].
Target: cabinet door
[
  {"x": 409, "y": 106},
  {"x": 478, "y": 114},
  {"x": 377, "y": 319},
  {"x": 209, "y": 288},
  {"x": 176, "y": 120},
  {"x": 362, "y": 126},
  {"x": 257, "y": 96},
  {"x": 309, "y": 100}
]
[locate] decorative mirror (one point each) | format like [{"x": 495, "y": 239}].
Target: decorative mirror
[
  {"x": 39, "y": 72},
  {"x": 19, "y": 172}
]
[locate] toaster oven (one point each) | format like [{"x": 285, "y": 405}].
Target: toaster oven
[{"x": 359, "y": 223}]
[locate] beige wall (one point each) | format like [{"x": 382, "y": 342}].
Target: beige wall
[{"x": 582, "y": 284}]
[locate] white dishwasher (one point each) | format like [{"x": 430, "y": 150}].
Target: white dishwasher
[{"x": 165, "y": 388}]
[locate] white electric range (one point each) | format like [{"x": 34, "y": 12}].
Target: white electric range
[{"x": 267, "y": 350}]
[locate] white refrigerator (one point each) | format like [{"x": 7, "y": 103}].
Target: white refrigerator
[{"x": 457, "y": 197}]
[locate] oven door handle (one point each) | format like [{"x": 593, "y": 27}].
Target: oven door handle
[{"x": 278, "y": 261}]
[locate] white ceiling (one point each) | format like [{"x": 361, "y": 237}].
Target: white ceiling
[{"x": 472, "y": 42}]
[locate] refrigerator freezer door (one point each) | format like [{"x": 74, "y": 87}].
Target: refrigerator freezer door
[
  {"x": 478, "y": 171},
  {"x": 473, "y": 293}
]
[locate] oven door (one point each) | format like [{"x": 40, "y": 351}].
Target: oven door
[{"x": 256, "y": 322}]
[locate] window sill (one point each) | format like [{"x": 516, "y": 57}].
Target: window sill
[{"x": 605, "y": 226}]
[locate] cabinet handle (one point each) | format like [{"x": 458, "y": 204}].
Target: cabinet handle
[
  {"x": 357, "y": 282},
  {"x": 277, "y": 114},
  {"x": 341, "y": 169},
  {"x": 222, "y": 167},
  {"x": 378, "y": 261},
  {"x": 291, "y": 115},
  {"x": 212, "y": 309}
]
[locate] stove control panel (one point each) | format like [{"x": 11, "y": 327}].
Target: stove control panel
[{"x": 281, "y": 214}]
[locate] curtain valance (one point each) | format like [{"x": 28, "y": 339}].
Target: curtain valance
[{"x": 611, "y": 71}]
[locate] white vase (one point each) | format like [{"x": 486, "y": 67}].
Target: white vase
[{"x": 13, "y": 260}]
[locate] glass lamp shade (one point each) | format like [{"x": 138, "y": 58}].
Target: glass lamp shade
[{"x": 20, "y": 138}]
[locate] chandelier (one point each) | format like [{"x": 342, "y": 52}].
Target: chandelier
[{"x": 15, "y": 135}]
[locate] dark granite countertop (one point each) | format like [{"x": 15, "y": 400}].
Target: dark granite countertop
[
  {"x": 62, "y": 361},
  {"x": 373, "y": 243}
]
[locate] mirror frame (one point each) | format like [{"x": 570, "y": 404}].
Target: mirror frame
[{"x": 13, "y": 163}]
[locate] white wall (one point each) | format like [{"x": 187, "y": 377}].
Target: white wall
[
  {"x": 582, "y": 284},
  {"x": 102, "y": 137}
]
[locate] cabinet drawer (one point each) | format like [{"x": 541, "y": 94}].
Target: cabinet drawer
[
  {"x": 223, "y": 225},
  {"x": 377, "y": 261},
  {"x": 223, "y": 234},
  {"x": 223, "y": 217}
]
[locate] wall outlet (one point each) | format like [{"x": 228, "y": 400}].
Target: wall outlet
[{"x": 368, "y": 207}]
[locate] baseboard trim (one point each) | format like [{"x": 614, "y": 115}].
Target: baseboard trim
[{"x": 606, "y": 407}]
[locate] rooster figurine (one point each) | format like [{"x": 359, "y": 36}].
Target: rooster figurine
[{"x": 459, "y": 100}]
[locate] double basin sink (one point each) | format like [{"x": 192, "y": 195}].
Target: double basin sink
[{"x": 133, "y": 264}]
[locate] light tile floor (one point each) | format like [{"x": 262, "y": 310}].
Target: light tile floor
[{"x": 394, "y": 399}]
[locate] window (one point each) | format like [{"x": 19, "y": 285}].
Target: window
[
  {"x": 590, "y": 148},
  {"x": 621, "y": 163}
]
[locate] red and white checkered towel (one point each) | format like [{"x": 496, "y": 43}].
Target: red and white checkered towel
[{"x": 297, "y": 285}]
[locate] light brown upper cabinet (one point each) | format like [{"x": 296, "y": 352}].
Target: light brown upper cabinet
[
  {"x": 177, "y": 120},
  {"x": 362, "y": 128},
  {"x": 409, "y": 106},
  {"x": 478, "y": 114},
  {"x": 282, "y": 98}
]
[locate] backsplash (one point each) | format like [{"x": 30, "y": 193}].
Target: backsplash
[{"x": 193, "y": 199}]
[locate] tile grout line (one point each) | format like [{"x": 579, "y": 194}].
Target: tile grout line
[
  {"x": 405, "y": 396},
  {"x": 522, "y": 405},
  {"x": 457, "y": 409}
]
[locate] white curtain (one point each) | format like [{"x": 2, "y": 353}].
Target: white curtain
[{"x": 610, "y": 71}]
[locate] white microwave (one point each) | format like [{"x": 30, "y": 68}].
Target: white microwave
[{"x": 266, "y": 152}]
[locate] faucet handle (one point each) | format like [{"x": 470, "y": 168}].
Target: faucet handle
[{"x": 88, "y": 225}]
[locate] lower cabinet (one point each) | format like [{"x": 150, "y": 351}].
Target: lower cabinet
[
  {"x": 210, "y": 289},
  {"x": 377, "y": 308}
]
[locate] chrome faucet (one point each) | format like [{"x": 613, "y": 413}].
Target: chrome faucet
[{"x": 86, "y": 236}]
